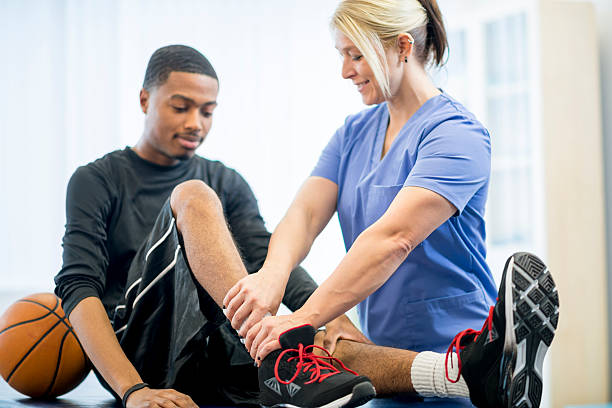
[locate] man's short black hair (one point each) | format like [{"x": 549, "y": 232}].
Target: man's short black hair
[{"x": 180, "y": 58}]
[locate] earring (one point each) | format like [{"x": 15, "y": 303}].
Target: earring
[{"x": 406, "y": 60}]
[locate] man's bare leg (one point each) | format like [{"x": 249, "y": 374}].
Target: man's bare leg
[
  {"x": 399, "y": 371},
  {"x": 389, "y": 369},
  {"x": 217, "y": 266},
  {"x": 211, "y": 252}
]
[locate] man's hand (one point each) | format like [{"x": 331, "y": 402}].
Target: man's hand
[
  {"x": 341, "y": 328},
  {"x": 152, "y": 398},
  {"x": 251, "y": 299}
]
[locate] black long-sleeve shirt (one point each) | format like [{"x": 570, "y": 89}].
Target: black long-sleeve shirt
[{"x": 111, "y": 206}]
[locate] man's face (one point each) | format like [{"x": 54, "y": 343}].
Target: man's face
[{"x": 178, "y": 117}]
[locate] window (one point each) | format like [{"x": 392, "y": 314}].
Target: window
[{"x": 488, "y": 71}]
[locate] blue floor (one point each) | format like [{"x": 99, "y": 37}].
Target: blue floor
[
  {"x": 88, "y": 394},
  {"x": 91, "y": 394}
]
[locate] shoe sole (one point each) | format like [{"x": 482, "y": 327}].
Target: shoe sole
[
  {"x": 531, "y": 321},
  {"x": 362, "y": 393}
]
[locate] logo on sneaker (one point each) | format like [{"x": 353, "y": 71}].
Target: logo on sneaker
[
  {"x": 293, "y": 389},
  {"x": 492, "y": 335},
  {"x": 274, "y": 385}
]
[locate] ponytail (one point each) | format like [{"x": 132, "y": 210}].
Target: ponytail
[
  {"x": 434, "y": 33},
  {"x": 373, "y": 26}
]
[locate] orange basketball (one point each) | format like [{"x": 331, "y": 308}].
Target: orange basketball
[{"x": 40, "y": 355}]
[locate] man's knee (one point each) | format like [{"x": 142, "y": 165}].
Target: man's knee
[{"x": 194, "y": 196}]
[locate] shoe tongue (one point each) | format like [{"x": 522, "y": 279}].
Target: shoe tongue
[
  {"x": 468, "y": 339},
  {"x": 293, "y": 337}
]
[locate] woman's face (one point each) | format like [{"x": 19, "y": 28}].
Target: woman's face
[{"x": 355, "y": 68}]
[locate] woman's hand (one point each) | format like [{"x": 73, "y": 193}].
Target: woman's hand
[
  {"x": 341, "y": 328},
  {"x": 262, "y": 338},
  {"x": 252, "y": 298}
]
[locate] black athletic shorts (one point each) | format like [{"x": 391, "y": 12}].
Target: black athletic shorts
[{"x": 174, "y": 333}]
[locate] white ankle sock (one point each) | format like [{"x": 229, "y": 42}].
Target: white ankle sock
[{"x": 429, "y": 377}]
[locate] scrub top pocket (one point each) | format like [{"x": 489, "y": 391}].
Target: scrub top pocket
[{"x": 431, "y": 324}]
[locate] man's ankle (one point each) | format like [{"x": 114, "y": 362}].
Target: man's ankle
[{"x": 428, "y": 375}]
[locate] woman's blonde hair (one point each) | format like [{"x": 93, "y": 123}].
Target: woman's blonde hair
[{"x": 373, "y": 26}]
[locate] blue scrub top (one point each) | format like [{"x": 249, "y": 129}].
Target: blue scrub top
[{"x": 444, "y": 286}]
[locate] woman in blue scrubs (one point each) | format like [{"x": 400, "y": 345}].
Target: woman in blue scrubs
[{"x": 409, "y": 179}]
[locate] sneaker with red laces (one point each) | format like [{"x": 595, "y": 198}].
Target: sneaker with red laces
[
  {"x": 502, "y": 363},
  {"x": 295, "y": 377}
]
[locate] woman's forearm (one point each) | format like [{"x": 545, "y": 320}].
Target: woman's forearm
[
  {"x": 378, "y": 252},
  {"x": 373, "y": 258}
]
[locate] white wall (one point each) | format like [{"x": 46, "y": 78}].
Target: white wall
[
  {"x": 71, "y": 70},
  {"x": 603, "y": 9},
  {"x": 70, "y": 75}
]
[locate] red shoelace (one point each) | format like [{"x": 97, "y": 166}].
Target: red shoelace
[
  {"x": 456, "y": 344},
  {"x": 320, "y": 366}
]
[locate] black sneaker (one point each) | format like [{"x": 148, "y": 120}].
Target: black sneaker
[
  {"x": 295, "y": 377},
  {"x": 502, "y": 363}
]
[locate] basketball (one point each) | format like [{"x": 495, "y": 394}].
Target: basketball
[{"x": 40, "y": 356}]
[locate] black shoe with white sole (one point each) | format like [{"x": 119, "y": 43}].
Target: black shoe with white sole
[
  {"x": 502, "y": 363},
  {"x": 295, "y": 377}
]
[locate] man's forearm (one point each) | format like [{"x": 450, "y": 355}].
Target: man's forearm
[{"x": 96, "y": 334}]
